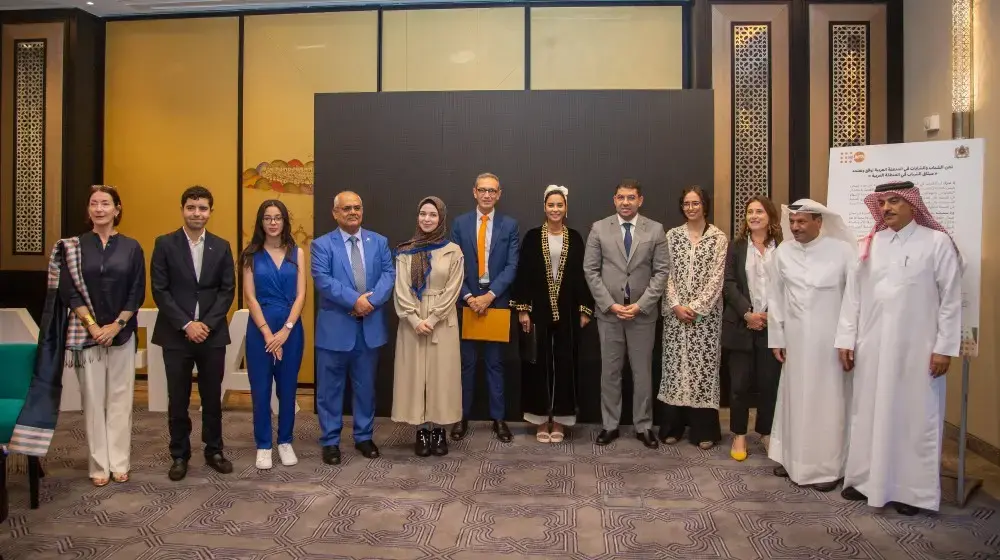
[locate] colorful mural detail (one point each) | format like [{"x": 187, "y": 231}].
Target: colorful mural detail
[{"x": 293, "y": 177}]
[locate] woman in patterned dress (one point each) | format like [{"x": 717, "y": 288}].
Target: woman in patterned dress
[{"x": 692, "y": 325}]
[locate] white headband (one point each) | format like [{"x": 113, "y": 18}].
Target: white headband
[{"x": 555, "y": 188}]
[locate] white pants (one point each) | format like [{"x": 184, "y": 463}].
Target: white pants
[{"x": 107, "y": 382}]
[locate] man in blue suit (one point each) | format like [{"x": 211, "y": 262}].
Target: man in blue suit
[
  {"x": 490, "y": 242},
  {"x": 354, "y": 276}
]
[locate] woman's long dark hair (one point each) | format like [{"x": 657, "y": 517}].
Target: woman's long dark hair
[{"x": 257, "y": 240}]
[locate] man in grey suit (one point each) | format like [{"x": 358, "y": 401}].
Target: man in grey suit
[{"x": 626, "y": 264}]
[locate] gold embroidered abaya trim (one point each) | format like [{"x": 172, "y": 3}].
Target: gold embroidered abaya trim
[{"x": 554, "y": 284}]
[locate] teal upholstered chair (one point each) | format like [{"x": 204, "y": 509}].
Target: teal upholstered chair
[{"x": 17, "y": 365}]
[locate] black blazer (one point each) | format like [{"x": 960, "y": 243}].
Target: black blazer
[
  {"x": 736, "y": 298},
  {"x": 176, "y": 289}
]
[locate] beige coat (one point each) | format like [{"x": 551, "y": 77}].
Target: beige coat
[{"x": 427, "y": 384}]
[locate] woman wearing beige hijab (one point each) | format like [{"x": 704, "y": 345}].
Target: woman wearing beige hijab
[{"x": 427, "y": 384}]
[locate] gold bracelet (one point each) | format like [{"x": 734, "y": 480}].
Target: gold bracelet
[{"x": 88, "y": 320}]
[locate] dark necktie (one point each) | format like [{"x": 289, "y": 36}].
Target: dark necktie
[{"x": 628, "y": 251}]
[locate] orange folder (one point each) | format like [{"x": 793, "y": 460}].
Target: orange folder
[{"x": 492, "y": 327}]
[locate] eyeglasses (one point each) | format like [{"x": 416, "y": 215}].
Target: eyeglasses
[
  {"x": 691, "y": 204},
  {"x": 273, "y": 219},
  {"x": 355, "y": 208},
  {"x": 491, "y": 192}
]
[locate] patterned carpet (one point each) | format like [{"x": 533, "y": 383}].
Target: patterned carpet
[{"x": 484, "y": 501}]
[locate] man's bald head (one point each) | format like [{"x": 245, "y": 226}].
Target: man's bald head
[{"x": 348, "y": 211}]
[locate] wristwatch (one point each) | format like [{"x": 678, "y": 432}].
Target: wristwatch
[
  {"x": 289, "y": 326},
  {"x": 121, "y": 323}
]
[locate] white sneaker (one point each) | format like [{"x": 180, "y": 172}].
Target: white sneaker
[
  {"x": 264, "y": 459},
  {"x": 287, "y": 454}
]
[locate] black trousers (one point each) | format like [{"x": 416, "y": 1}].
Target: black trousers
[
  {"x": 179, "y": 364},
  {"x": 703, "y": 422},
  {"x": 744, "y": 368}
]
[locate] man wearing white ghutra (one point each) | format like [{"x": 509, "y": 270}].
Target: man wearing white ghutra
[{"x": 901, "y": 316}]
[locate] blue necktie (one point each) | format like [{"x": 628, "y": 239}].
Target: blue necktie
[{"x": 628, "y": 251}]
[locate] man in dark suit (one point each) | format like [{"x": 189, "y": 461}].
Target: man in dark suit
[
  {"x": 355, "y": 276},
  {"x": 193, "y": 280},
  {"x": 490, "y": 242}
]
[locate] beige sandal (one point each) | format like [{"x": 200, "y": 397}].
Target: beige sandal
[
  {"x": 101, "y": 482},
  {"x": 557, "y": 436},
  {"x": 120, "y": 477},
  {"x": 543, "y": 435}
]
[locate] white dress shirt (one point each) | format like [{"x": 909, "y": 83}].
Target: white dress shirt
[
  {"x": 623, "y": 221},
  {"x": 756, "y": 269},
  {"x": 197, "y": 248}
]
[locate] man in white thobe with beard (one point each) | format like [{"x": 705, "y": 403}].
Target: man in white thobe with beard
[
  {"x": 900, "y": 324},
  {"x": 807, "y": 280}
]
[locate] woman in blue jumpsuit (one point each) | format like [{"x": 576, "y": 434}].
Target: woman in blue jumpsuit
[{"x": 274, "y": 291}]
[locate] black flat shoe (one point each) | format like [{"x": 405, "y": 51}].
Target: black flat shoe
[
  {"x": 368, "y": 449},
  {"x": 647, "y": 439},
  {"x": 606, "y": 437},
  {"x": 439, "y": 443},
  {"x": 331, "y": 454},
  {"x": 501, "y": 430},
  {"x": 219, "y": 463},
  {"x": 780, "y": 471},
  {"x": 904, "y": 509},
  {"x": 853, "y": 495},
  {"x": 459, "y": 430},
  {"x": 825, "y": 486},
  {"x": 422, "y": 447},
  {"x": 178, "y": 470}
]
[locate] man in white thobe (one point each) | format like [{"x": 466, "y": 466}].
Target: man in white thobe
[
  {"x": 807, "y": 279},
  {"x": 900, "y": 324}
]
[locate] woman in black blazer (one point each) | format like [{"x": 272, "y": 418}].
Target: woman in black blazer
[{"x": 744, "y": 322}]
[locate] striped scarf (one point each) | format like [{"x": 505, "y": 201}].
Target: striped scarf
[{"x": 61, "y": 340}]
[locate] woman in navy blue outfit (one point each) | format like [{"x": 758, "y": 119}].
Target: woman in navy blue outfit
[{"x": 274, "y": 287}]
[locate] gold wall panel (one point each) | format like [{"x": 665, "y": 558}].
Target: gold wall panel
[
  {"x": 847, "y": 79},
  {"x": 171, "y": 97},
  {"x": 453, "y": 49},
  {"x": 287, "y": 60},
  {"x": 31, "y": 144},
  {"x": 620, "y": 47},
  {"x": 738, "y": 33}
]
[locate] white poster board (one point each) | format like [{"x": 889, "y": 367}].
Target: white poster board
[{"x": 949, "y": 175}]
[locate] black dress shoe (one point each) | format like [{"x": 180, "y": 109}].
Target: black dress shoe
[
  {"x": 439, "y": 443},
  {"x": 780, "y": 471},
  {"x": 904, "y": 509},
  {"x": 459, "y": 430},
  {"x": 178, "y": 470},
  {"x": 825, "y": 486},
  {"x": 502, "y": 431},
  {"x": 367, "y": 448},
  {"x": 422, "y": 447},
  {"x": 647, "y": 439},
  {"x": 219, "y": 463},
  {"x": 852, "y": 494},
  {"x": 331, "y": 454},
  {"x": 606, "y": 437}
]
